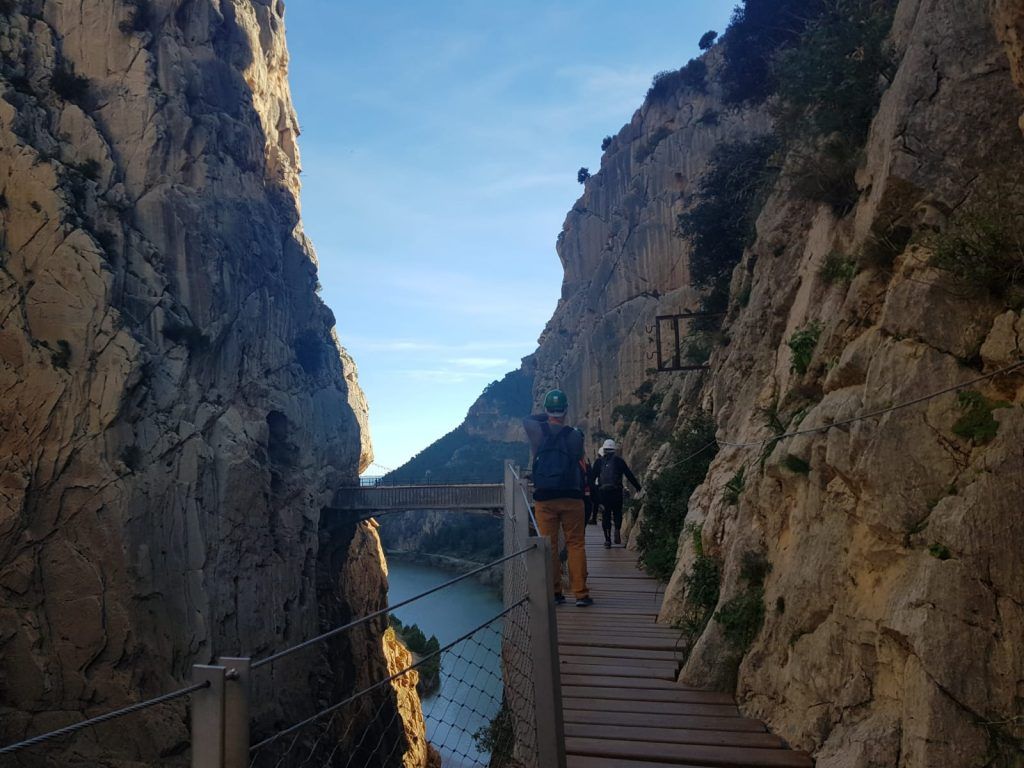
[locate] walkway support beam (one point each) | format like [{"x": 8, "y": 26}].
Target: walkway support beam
[
  {"x": 544, "y": 640},
  {"x": 208, "y": 717}
]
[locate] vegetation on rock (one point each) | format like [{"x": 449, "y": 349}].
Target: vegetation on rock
[
  {"x": 668, "y": 495},
  {"x": 421, "y": 646},
  {"x": 802, "y": 344},
  {"x": 977, "y": 423}
]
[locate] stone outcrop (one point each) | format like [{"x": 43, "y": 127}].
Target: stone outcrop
[
  {"x": 176, "y": 407},
  {"x": 893, "y": 601}
]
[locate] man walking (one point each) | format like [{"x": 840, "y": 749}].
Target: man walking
[
  {"x": 558, "y": 490},
  {"x": 607, "y": 475}
]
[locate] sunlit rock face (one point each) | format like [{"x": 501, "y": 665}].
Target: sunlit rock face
[
  {"x": 176, "y": 408},
  {"x": 893, "y": 606}
]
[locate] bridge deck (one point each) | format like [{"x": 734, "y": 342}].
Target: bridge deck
[
  {"x": 622, "y": 706},
  {"x": 384, "y": 498}
]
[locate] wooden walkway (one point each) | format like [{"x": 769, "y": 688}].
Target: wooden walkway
[{"x": 623, "y": 708}]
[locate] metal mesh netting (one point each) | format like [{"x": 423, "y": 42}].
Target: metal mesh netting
[{"x": 471, "y": 720}]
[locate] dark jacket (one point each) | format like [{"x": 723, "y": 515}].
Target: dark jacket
[
  {"x": 618, "y": 469},
  {"x": 535, "y": 434}
]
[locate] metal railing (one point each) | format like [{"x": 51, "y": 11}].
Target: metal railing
[{"x": 498, "y": 703}]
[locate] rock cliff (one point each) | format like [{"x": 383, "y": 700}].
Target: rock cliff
[
  {"x": 867, "y": 592},
  {"x": 176, "y": 406}
]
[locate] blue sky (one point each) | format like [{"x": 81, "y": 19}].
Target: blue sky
[{"x": 440, "y": 144}]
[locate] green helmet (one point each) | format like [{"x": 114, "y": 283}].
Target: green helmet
[{"x": 555, "y": 401}]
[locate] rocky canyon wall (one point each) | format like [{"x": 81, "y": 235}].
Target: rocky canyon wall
[
  {"x": 889, "y": 603},
  {"x": 176, "y": 406}
]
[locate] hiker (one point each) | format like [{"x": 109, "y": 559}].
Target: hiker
[
  {"x": 589, "y": 502},
  {"x": 607, "y": 475},
  {"x": 558, "y": 490}
]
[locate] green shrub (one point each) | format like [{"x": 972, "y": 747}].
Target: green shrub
[
  {"x": 977, "y": 423},
  {"x": 757, "y": 30},
  {"x": 734, "y": 487},
  {"x": 643, "y": 413},
  {"x": 720, "y": 223},
  {"x": 61, "y": 356},
  {"x": 707, "y": 40},
  {"x": 939, "y": 551},
  {"x": 838, "y": 268},
  {"x": 668, "y": 495},
  {"x": 796, "y": 465},
  {"x": 829, "y": 86},
  {"x": 68, "y": 85},
  {"x": 742, "y": 617},
  {"x": 982, "y": 248},
  {"x": 802, "y": 344},
  {"x": 605, "y": 143},
  {"x": 666, "y": 84},
  {"x": 498, "y": 739},
  {"x": 582, "y": 175},
  {"x": 415, "y": 640},
  {"x": 697, "y": 347}
]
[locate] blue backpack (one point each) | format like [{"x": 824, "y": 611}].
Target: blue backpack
[{"x": 554, "y": 466}]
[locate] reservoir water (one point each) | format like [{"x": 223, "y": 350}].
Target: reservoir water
[{"x": 470, "y": 692}]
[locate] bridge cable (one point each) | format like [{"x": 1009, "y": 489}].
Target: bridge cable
[
  {"x": 75, "y": 727},
  {"x": 385, "y": 681},
  {"x": 383, "y": 611}
]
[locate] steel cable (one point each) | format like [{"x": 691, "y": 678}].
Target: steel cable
[{"x": 100, "y": 719}]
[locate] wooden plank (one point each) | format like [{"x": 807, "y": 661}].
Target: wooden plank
[
  {"x": 575, "y": 649},
  {"x": 621, "y": 693},
  {"x": 645, "y": 719},
  {"x": 588, "y": 761},
  {"x": 608, "y": 673},
  {"x": 628, "y": 666},
  {"x": 611, "y": 681},
  {"x": 699, "y": 754},
  {"x": 674, "y": 735},
  {"x": 639, "y": 643},
  {"x": 654, "y": 707}
]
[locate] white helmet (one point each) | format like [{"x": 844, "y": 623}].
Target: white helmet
[{"x": 609, "y": 447}]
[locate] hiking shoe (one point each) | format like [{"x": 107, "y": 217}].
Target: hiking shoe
[
  {"x": 607, "y": 543},
  {"x": 583, "y": 602},
  {"x": 618, "y": 536},
  {"x": 559, "y": 599}
]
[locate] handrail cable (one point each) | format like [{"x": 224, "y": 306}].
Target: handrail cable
[
  {"x": 385, "y": 681},
  {"x": 852, "y": 419},
  {"x": 370, "y": 616},
  {"x": 99, "y": 719}
]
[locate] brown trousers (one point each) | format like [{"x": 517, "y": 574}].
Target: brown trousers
[{"x": 567, "y": 513}]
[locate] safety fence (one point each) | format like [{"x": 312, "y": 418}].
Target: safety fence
[{"x": 491, "y": 696}]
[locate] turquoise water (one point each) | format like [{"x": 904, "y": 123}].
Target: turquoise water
[{"x": 471, "y": 688}]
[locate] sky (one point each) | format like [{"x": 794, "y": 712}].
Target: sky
[{"x": 440, "y": 145}]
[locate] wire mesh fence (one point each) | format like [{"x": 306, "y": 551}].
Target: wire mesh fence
[{"x": 468, "y": 716}]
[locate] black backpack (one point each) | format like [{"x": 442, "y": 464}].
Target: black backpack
[
  {"x": 611, "y": 475},
  {"x": 554, "y": 466}
]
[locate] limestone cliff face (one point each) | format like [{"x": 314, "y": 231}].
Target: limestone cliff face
[
  {"x": 893, "y": 607},
  {"x": 176, "y": 408}
]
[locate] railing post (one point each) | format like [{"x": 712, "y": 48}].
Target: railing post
[
  {"x": 547, "y": 681},
  {"x": 521, "y": 518},
  {"x": 236, "y": 711},
  {"x": 208, "y": 717}
]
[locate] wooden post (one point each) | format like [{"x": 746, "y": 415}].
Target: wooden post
[
  {"x": 208, "y": 717},
  {"x": 236, "y": 711},
  {"x": 547, "y": 682}
]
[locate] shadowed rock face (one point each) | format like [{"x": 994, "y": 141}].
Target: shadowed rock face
[
  {"x": 894, "y": 601},
  {"x": 176, "y": 407}
]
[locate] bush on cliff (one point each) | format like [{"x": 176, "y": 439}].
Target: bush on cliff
[
  {"x": 720, "y": 224},
  {"x": 669, "y": 493}
]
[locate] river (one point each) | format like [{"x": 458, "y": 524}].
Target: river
[{"x": 471, "y": 673}]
